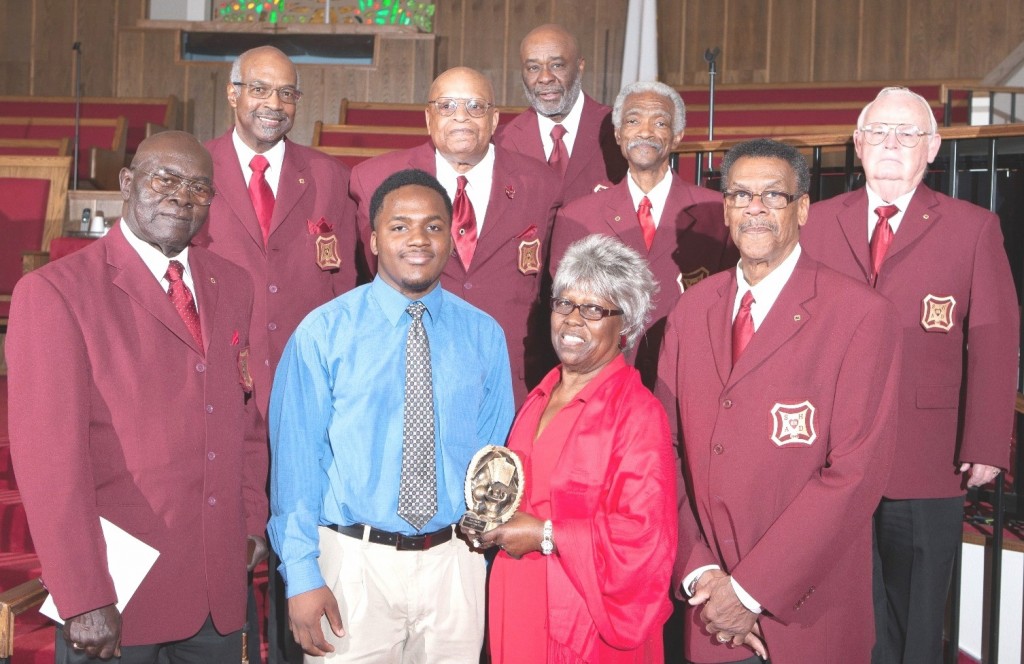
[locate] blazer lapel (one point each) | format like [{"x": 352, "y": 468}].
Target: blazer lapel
[
  {"x": 206, "y": 294},
  {"x": 620, "y": 215},
  {"x": 292, "y": 186},
  {"x": 785, "y": 319},
  {"x": 137, "y": 282},
  {"x": 234, "y": 191},
  {"x": 720, "y": 328},
  {"x": 525, "y": 136},
  {"x": 920, "y": 215},
  {"x": 854, "y": 223},
  {"x": 675, "y": 220}
]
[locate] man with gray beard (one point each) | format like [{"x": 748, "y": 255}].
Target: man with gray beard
[
  {"x": 678, "y": 227},
  {"x": 570, "y": 131}
]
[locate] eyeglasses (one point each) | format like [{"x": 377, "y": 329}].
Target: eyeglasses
[
  {"x": 448, "y": 105},
  {"x": 560, "y": 305},
  {"x": 776, "y": 200},
  {"x": 169, "y": 184},
  {"x": 287, "y": 95},
  {"x": 908, "y": 135}
]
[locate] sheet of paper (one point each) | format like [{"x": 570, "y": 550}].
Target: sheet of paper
[{"x": 128, "y": 559}]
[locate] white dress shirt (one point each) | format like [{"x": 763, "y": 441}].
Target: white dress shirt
[
  {"x": 157, "y": 263},
  {"x": 571, "y": 122},
  {"x": 478, "y": 183},
  {"x": 874, "y": 201},
  {"x": 658, "y": 196},
  {"x": 275, "y": 157}
]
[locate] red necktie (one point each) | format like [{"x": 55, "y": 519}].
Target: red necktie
[
  {"x": 559, "y": 158},
  {"x": 261, "y": 194},
  {"x": 742, "y": 327},
  {"x": 882, "y": 238},
  {"x": 181, "y": 296},
  {"x": 643, "y": 213},
  {"x": 463, "y": 224}
]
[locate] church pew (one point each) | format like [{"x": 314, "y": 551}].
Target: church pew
[
  {"x": 352, "y": 156},
  {"x": 101, "y": 153},
  {"x": 367, "y": 136},
  {"x": 36, "y": 147},
  {"x": 144, "y": 116},
  {"x": 400, "y": 115}
]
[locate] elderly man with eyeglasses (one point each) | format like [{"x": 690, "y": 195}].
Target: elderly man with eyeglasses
[
  {"x": 941, "y": 262},
  {"x": 504, "y": 203},
  {"x": 779, "y": 378},
  {"x": 282, "y": 213},
  {"x": 129, "y": 402}
]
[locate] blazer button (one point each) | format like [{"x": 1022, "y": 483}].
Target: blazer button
[
  {"x": 211, "y": 501},
  {"x": 727, "y": 403},
  {"x": 211, "y": 456},
  {"x": 467, "y": 285},
  {"x": 272, "y": 288},
  {"x": 200, "y": 367},
  {"x": 718, "y": 448},
  {"x": 209, "y": 408},
  {"x": 271, "y": 326}
]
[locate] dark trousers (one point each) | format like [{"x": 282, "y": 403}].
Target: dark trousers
[
  {"x": 283, "y": 648},
  {"x": 915, "y": 542},
  {"x": 207, "y": 646}
]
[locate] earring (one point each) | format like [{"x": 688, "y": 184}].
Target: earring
[{"x": 622, "y": 342}]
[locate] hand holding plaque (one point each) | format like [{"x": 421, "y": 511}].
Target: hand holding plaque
[{"x": 494, "y": 488}]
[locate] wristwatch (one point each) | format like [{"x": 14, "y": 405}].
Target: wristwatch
[{"x": 547, "y": 542}]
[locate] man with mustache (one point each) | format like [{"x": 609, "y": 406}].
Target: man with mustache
[
  {"x": 780, "y": 378},
  {"x": 945, "y": 269},
  {"x": 504, "y": 203},
  {"x": 380, "y": 401},
  {"x": 564, "y": 127},
  {"x": 282, "y": 213},
  {"x": 677, "y": 226}
]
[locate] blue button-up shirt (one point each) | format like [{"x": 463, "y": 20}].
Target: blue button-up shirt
[{"x": 336, "y": 416}]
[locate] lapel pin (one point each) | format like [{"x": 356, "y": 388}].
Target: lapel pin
[
  {"x": 618, "y": 218},
  {"x": 302, "y": 180},
  {"x": 510, "y": 191},
  {"x": 796, "y": 318},
  {"x": 212, "y": 280},
  {"x": 924, "y": 216}
]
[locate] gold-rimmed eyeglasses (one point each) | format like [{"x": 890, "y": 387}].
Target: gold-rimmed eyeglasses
[
  {"x": 907, "y": 135},
  {"x": 168, "y": 184},
  {"x": 257, "y": 90},
  {"x": 447, "y": 106}
]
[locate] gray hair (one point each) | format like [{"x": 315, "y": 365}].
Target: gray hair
[
  {"x": 236, "y": 67},
  {"x": 933, "y": 126},
  {"x": 602, "y": 265},
  {"x": 658, "y": 88},
  {"x": 766, "y": 148}
]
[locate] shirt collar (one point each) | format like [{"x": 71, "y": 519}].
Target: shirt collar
[
  {"x": 658, "y": 196},
  {"x": 393, "y": 303},
  {"x": 874, "y": 201},
  {"x": 275, "y": 155},
  {"x": 151, "y": 256},
  {"x": 571, "y": 122},
  {"x": 547, "y": 385},
  {"x": 768, "y": 289},
  {"x": 447, "y": 175}
]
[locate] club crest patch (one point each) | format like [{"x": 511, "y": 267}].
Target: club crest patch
[
  {"x": 244, "y": 375},
  {"x": 529, "y": 251},
  {"x": 692, "y": 278},
  {"x": 327, "y": 257},
  {"x": 937, "y": 313},
  {"x": 794, "y": 424}
]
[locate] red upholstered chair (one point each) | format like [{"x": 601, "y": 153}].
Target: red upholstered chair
[
  {"x": 102, "y": 143},
  {"x": 33, "y": 203}
]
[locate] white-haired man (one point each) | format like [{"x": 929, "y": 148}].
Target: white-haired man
[{"x": 941, "y": 262}]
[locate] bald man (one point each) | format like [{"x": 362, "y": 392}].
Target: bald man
[
  {"x": 502, "y": 216},
  {"x": 564, "y": 126},
  {"x": 154, "y": 429}
]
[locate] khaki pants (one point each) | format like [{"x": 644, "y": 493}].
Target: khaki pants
[{"x": 403, "y": 607}]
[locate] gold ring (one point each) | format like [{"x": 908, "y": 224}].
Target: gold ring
[
  {"x": 77, "y": 646},
  {"x": 721, "y": 640}
]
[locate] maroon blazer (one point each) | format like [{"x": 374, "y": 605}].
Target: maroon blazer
[
  {"x": 289, "y": 283},
  {"x": 505, "y": 276},
  {"x": 115, "y": 412},
  {"x": 785, "y": 455},
  {"x": 596, "y": 158},
  {"x": 691, "y": 243},
  {"x": 948, "y": 275}
]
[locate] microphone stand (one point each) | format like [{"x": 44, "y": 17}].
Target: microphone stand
[
  {"x": 77, "y": 48},
  {"x": 710, "y": 56}
]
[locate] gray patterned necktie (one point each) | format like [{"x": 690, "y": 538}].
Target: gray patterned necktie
[{"x": 417, "y": 493}]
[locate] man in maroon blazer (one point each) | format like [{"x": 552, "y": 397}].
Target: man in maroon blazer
[
  {"x": 946, "y": 271},
  {"x": 679, "y": 229},
  {"x": 780, "y": 379},
  {"x": 128, "y": 405},
  {"x": 585, "y": 155},
  {"x": 509, "y": 197},
  {"x": 299, "y": 247}
]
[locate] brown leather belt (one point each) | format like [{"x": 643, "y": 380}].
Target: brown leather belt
[{"x": 397, "y": 540}]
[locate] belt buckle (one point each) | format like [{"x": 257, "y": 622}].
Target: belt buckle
[{"x": 412, "y": 542}]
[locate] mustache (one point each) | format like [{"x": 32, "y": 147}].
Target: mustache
[
  {"x": 538, "y": 90},
  {"x": 271, "y": 115},
  {"x": 644, "y": 142},
  {"x": 760, "y": 224}
]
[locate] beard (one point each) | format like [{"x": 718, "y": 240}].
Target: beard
[{"x": 552, "y": 108}]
